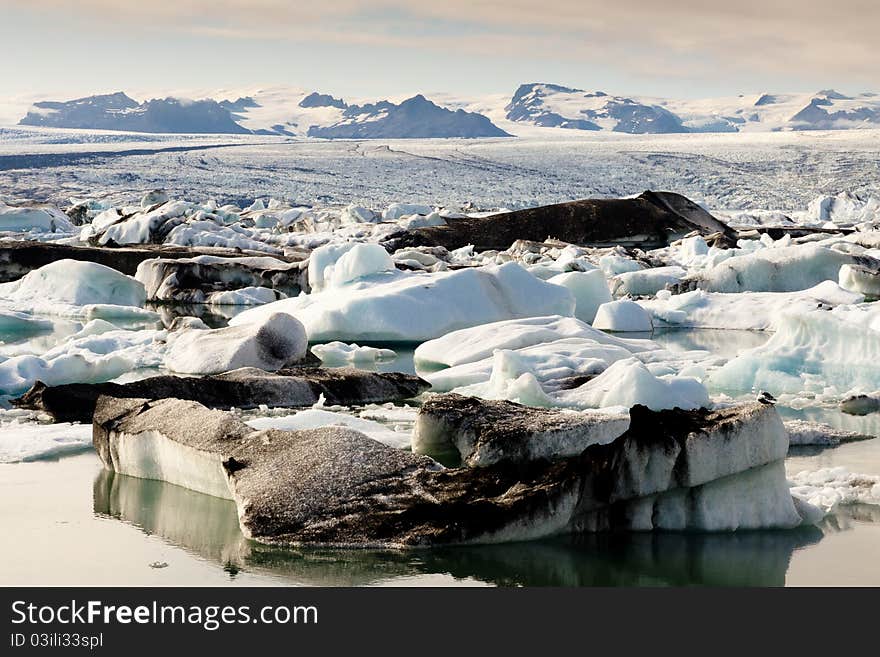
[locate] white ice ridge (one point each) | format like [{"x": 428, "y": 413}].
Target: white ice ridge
[
  {"x": 829, "y": 488},
  {"x": 394, "y": 306}
]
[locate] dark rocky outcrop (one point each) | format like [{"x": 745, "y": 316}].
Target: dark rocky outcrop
[
  {"x": 17, "y": 258},
  {"x": 242, "y": 388},
  {"x": 704, "y": 470},
  {"x": 650, "y": 220}
]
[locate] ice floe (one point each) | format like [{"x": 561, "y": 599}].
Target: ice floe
[
  {"x": 340, "y": 352},
  {"x": 30, "y": 441}
]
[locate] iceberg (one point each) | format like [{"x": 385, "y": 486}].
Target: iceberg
[
  {"x": 480, "y": 342},
  {"x": 413, "y": 307},
  {"x": 271, "y": 344},
  {"x": 623, "y": 316},
  {"x": 753, "y": 311}
]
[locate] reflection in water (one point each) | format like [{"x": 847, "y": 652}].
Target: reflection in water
[
  {"x": 208, "y": 527},
  {"x": 724, "y": 343}
]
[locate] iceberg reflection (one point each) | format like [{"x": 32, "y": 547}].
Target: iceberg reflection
[{"x": 208, "y": 527}]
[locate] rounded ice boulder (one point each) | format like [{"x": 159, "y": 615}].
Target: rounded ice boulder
[
  {"x": 76, "y": 283},
  {"x": 623, "y": 316},
  {"x": 278, "y": 340}
]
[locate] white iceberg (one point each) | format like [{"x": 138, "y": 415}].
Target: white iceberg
[
  {"x": 756, "y": 311},
  {"x": 623, "y": 316},
  {"x": 480, "y": 342},
  {"x": 340, "y": 352},
  {"x": 270, "y": 344},
  {"x": 413, "y": 307},
  {"x": 45, "y": 219}
]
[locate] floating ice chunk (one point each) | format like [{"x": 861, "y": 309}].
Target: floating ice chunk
[
  {"x": 845, "y": 208},
  {"x": 613, "y": 264},
  {"x": 629, "y": 382},
  {"x": 86, "y": 357},
  {"x": 861, "y": 404},
  {"x": 397, "y": 210},
  {"x": 270, "y": 344},
  {"x": 73, "y": 282},
  {"x": 39, "y": 219},
  {"x": 552, "y": 363},
  {"x": 421, "y": 221},
  {"x": 355, "y": 214},
  {"x": 801, "y": 433},
  {"x": 314, "y": 418},
  {"x": 646, "y": 282},
  {"x": 340, "y": 352},
  {"x": 321, "y": 262},
  {"x": 487, "y": 432},
  {"x": 743, "y": 311},
  {"x": 209, "y": 233},
  {"x": 154, "y": 197},
  {"x": 784, "y": 269},
  {"x": 829, "y": 488},
  {"x": 589, "y": 288},
  {"x": 819, "y": 351},
  {"x": 511, "y": 379},
  {"x": 359, "y": 261},
  {"x": 623, "y": 316},
  {"x": 412, "y": 307},
  {"x": 29, "y": 441},
  {"x": 479, "y": 342}
]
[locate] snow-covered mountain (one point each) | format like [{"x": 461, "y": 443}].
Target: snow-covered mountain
[
  {"x": 277, "y": 111},
  {"x": 413, "y": 118},
  {"x": 554, "y": 106},
  {"x": 557, "y": 106},
  {"x": 296, "y": 112},
  {"x": 119, "y": 112}
]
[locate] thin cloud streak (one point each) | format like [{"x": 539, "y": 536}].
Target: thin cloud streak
[{"x": 675, "y": 39}]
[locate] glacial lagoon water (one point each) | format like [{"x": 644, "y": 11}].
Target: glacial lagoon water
[{"x": 69, "y": 522}]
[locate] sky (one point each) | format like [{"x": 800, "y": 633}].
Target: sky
[{"x": 673, "y": 48}]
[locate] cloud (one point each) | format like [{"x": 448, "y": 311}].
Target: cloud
[{"x": 675, "y": 38}]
